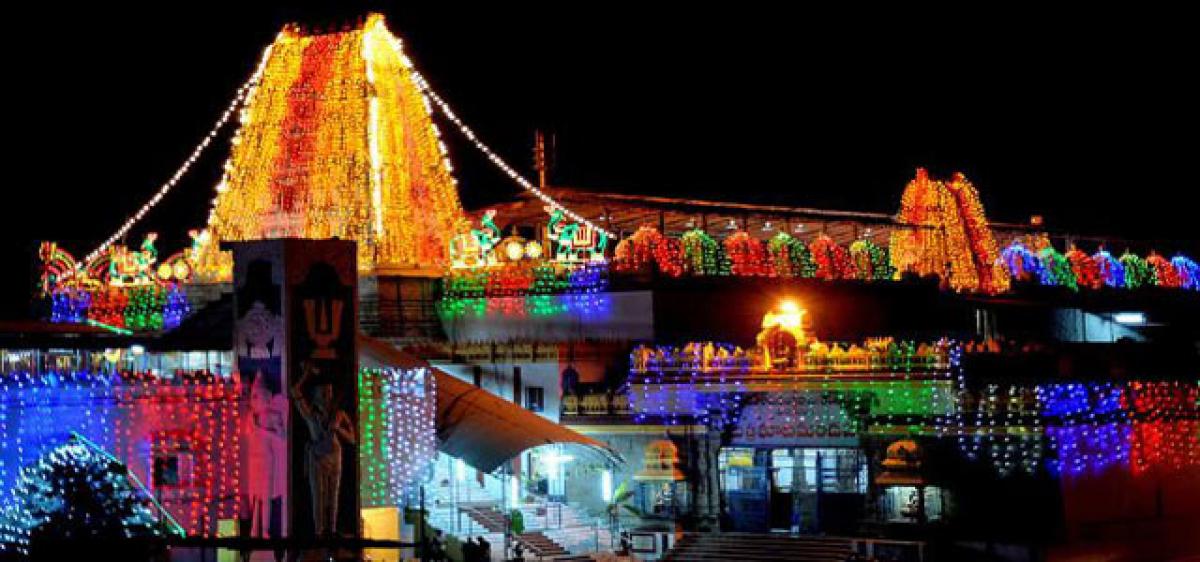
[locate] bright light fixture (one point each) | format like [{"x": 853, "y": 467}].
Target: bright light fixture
[{"x": 1130, "y": 318}]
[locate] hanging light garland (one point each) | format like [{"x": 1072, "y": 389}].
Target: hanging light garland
[
  {"x": 1163, "y": 273},
  {"x": 1189, "y": 272},
  {"x": 397, "y": 413},
  {"x": 1056, "y": 269},
  {"x": 490, "y": 154},
  {"x": 833, "y": 261},
  {"x": 871, "y": 262},
  {"x": 701, "y": 254},
  {"x": 1137, "y": 272},
  {"x": 791, "y": 257},
  {"x": 747, "y": 255},
  {"x": 243, "y": 92},
  {"x": 1022, "y": 264},
  {"x": 140, "y": 417},
  {"x": 1111, "y": 271},
  {"x": 1084, "y": 268}
]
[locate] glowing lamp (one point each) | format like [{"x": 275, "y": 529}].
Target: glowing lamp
[
  {"x": 533, "y": 250},
  {"x": 555, "y": 460},
  {"x": 1130, "y": 318},
  {"x": 789, "y": 315},
  {"x": 514, "y": 250}
]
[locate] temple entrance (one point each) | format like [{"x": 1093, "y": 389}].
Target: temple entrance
[{"x": 802, "y": 489}]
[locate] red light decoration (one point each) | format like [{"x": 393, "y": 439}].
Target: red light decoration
[
  {"x": 1085, "y": 269},
  {"x": 648, "y": 249},
  {"x": 747, "y": 256},
  {"x": 833, "y": 261},
  {"x": 1164, "y": 273}
]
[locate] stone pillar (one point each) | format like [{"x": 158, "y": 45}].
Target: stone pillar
[{"x": 296, "y": 324}]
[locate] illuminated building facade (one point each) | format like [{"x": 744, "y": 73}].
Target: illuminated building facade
[{"x": 757, "y": 368}]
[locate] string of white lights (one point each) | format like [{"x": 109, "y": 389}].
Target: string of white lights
[
  {"x": 491, "y": 155},
  {"x": 243, "y": 92}
]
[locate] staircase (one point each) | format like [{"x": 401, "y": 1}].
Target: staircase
[
  {"x": 749, "y": 547},
  {"x": 540, "y": 546},
  {"x": 465, "y": 508},
  {"x": 487, "y": 517}
]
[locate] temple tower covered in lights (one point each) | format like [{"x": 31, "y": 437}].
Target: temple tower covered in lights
[{"x": 337, "y": 140}]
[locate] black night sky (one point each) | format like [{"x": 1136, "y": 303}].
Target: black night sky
[{"x": 1090, "y": 120}]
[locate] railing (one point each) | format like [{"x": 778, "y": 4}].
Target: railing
[
  {"x": 596, "y": 404},
  {"x": 894, "y": 550}
]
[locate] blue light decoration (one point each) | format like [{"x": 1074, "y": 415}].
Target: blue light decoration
[
  {"x": 833, "y": 390},
  {"x": 671, "y": 387},
  {"x": 1088, "y": 448},
  {"x": 1022, "y": 264},
  {"x": 1071, "y": 400},
  {"x": 1056, "y": 269},
  {"x": 140, "y": 417},
  {"x": 70, "y": 306},
  {"x": 1083, "y": 428},
  {"x": 1189, "y": 272},
  {"x": 175, "y": 308},
  {"x": 119, "y": 506},
  {"x": 1112, "y": 272}
]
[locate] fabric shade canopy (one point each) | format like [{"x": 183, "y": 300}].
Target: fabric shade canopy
[
  {"x": 485, "y": 430},
  {"x": 474, "y": 425}
]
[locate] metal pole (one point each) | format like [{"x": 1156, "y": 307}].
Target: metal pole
[
  {"x": 504, "y": 485},
  {"x": 421, "y": 546}
]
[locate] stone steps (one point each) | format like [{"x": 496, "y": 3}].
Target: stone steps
[
  {"x": 749, "y": 547},
  {"x": 541, "y": 546}
]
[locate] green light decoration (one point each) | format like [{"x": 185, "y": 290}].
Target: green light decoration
[
  {"x": 114, "y": 329},
  {"x": 372, "y": 449},
  {"x": 791, "y": 257},
  {"x": 144, "y": 309},
  {"x": 396, "y": 423},
  {"x": 1138, "y": 273},
  {"x": 1057, "y": 269},
  {"x": 702, "y": 255},
  {"x": 872, "y": 262}
]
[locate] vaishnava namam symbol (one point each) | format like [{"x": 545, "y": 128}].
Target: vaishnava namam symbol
[{"x": 323, "y": 319}]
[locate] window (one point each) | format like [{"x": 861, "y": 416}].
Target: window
[
  {"x": 172, "y": 469},
  {"x": 535, "y": 398},
  {"x": 166, "y": 471}
]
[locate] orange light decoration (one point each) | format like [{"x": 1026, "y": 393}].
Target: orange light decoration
[
  {"x": 948, "y": 235},
  {"x": 337, "y": 140}
]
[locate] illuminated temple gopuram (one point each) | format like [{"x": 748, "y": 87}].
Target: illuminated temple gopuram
[{"x": 596, "y": 365}]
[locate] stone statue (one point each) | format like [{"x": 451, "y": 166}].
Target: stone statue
[{"x": 328, "y": 427}]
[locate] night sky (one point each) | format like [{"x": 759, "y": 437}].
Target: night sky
[{"x": 1088, "y": 120}]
